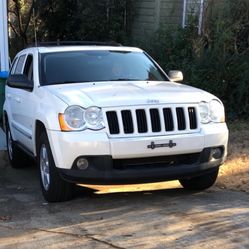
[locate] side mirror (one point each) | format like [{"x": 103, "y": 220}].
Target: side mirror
[
  {"x": 20, "y": 81},
  {"x": 175, "y": 76}
]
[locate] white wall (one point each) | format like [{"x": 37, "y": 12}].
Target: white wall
[{"x": 4, "y": 49}]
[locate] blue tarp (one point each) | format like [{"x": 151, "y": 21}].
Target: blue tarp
[
  {"x": 2, "y": 140},
  {"x": 4, "y": 74}
]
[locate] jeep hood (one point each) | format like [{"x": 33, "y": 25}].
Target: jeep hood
[{"x": 106, "y": 94}]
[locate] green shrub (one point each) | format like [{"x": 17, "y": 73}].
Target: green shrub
[{"x": 217, "y": 60}]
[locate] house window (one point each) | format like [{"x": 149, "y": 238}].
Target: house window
[{"x": 193, "y": 9}]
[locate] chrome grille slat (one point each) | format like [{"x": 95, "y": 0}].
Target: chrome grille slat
[
  {"x": 134, "y": 120},
  {"x": 152, "y": 120},
  {"x": 186, "y": 114},
  {"x": 120, "y": 123},
  {"x": 192, "y": 118},
  {"x": 148, "y": 120},
  {"x": 162, "y": 122},
  {"x": 174, "y": 119}
]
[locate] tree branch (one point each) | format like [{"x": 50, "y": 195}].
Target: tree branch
[
  {"x": 17, "y": 10},
  {"x": 14, "y": 29},
  {"x": 11, "y": 11},
  {"x": 29, "y": 17}
]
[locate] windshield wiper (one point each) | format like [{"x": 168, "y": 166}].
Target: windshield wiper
[
  {"x": 124, "y": 79},
  {"x": 73, "y": 81},
  {"x": 66, "y": 82}
]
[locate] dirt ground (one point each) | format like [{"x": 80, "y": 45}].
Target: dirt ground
[
  {"x": 159, "y": 215},
  {"x": 234, "y": 174}
]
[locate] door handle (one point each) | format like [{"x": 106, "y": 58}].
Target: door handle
[{"x": 8, "y": 95}]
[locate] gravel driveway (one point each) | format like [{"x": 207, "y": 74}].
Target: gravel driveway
[{"x": 170, "y": 218}]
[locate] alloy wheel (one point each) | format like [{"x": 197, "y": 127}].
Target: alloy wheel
[{"x": 44, "y": 167}]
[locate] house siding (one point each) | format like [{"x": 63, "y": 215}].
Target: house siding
[
  {"x": 150, "y": 15},
  {"x": 145, "y": 20},
  {"x": 153, "y": 14},
  {"x": 171, "y": 12}
]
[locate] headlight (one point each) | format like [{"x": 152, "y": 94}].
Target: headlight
[
  {"x": 76, "y": 118},
  {"x": 212, "y": 112},
  {"x": 94, "y": 118},
  {"x": 204, "y": 112},
  {"x": 217, "y": 112}
]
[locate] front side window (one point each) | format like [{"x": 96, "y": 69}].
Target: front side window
[{"x": 96, "y": 66}]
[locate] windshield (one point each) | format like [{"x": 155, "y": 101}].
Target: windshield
[{"x": 95, "y": 66}]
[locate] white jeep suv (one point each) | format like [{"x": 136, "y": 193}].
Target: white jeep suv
[{"x": 108, "y": 114}]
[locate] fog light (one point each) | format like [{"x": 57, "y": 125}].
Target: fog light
[
  {"x": 216, "y": 153},
  {"x": 82, "y": 163}
]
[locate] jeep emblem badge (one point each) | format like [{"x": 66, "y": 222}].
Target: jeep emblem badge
[
  {"x": 153, "y": 145},
  {"x": 153, "y": 101}
]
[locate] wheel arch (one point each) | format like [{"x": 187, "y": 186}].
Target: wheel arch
[
  {"x": 5, "y": 120},
  {"x": 39, "y": 129}
]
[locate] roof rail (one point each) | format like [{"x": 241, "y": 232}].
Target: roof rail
[{"x": 74, "y": 43}]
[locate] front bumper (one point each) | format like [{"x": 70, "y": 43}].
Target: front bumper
[
  {"x": 67, "y": 146},
  {"x": 106, "y": 170}
]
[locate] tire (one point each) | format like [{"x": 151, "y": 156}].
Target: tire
[
  {"x": 201, "y": 182},
  {"x": 18, "y": 159},
  {"x": 54, "y": 188}
]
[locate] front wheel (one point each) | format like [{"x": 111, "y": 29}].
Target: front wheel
[
  {"x": 200, "y": 182},
  {"x": 54, "y": 188}
]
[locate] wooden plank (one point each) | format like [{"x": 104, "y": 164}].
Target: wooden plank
[
  {"x": 146, "y": 12},
  {"x": 145, "y": 5},
  {"x": 145, "y": 19},
  {"x": 176, "y": 20},
  {"x": 152, "y": 14},
  {"x": 143, "y": 25},
  {"x": 171, "y": 11}
]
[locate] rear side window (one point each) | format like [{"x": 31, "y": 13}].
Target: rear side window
[
  {"x": 19, "y": 66},
  {"x": 13, "y": 66},
  {"x": 28, "y": 68}
]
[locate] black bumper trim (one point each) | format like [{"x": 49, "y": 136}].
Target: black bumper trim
[{"x": 103, "y": 170}]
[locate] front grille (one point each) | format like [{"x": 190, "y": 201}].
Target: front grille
[
  {"x": 141, "y": 121},
  {"x": 153, "y": 120},
  {"x": 168, "y": 119},
  {"x": 180, "y": 119},
  {"x": 192, "y": 118},
  {"x": 113, "y": 122},
  {"x": 127, "y": 121}
]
